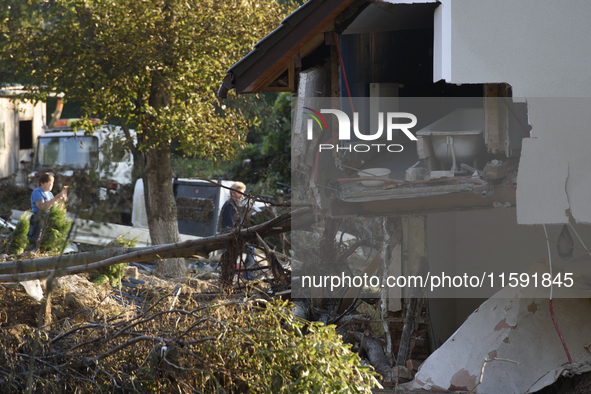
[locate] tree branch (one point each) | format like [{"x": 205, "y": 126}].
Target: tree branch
[{"x": 17, "y": 271}]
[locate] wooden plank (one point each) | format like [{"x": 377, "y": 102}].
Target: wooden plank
[
  {"x": 461, "y": 201},
  {"x": 395, "y": 269},
  {"x": 491, "y": 122},
  {"x": 412, "y": 314},
  {"x": 335, "y": 89},
  {"x": 496, "y": 127},
  {"x": 312, "y": 44},
  {"x": 503, "y": 119},
  {"x": 355, "y": 191},
  {"x": 290, "y": 77},
  {"x": 416, "y": 242}
]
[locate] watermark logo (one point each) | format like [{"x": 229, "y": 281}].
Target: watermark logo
[
  {"x": 390, "y": 119},
  {"x": 317, "y": 117}
]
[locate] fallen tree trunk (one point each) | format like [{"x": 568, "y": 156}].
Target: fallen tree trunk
[
  {"x": 375, "y": 352},
  {"x": 23, "y": 270}
]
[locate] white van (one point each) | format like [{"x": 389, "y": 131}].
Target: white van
[{"x": 63, "y": 150}]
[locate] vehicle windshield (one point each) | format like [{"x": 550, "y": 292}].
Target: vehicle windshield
[{"x": 66, "y": 151}]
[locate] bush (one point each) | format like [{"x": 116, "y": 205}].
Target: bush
[
  {"x": 18, "y": 240},
  {"x": 231, "y": 347},
  {"x": 55, "y": 230},
  {"x": 266, "y": 349},
  {"x": 114, "y": 273}
]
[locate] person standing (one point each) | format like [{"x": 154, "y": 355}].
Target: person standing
[
  {"x": 230, "y": 214},
  {"x": 42, "y": 199},
  {"x": 230, "y": 218}
]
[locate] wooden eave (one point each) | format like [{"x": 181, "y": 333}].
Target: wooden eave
[{"x": 300, "y": 33}]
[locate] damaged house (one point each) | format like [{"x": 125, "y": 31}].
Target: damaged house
[
  {"x": 20, "y": 124},
  {"x": 493, "y": 182}
]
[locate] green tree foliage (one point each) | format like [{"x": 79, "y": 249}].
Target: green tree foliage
[
  {"x": 292, "y": 356},
  {"x": 230, "y": 347},
  {"x": 187, "y": 167},
  {"x": 269, "y": 151},
  {"x": 114, "y": 273},
  {"x": 18, "y": 240},
  {"x": 55, "y": 230},
  {"x": 155, "y": 65}
]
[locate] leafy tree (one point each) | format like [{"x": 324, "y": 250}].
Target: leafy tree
[
  {"x": 152, "y": 65},
  {"x": 269, "y": 150}
]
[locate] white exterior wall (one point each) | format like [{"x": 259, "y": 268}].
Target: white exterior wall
[
  {"x": 11, "y": 112},
  {"x": 474, "y": 242},
  {"x": 541, "y": 48},
  {"x": 9, "y": 119}
]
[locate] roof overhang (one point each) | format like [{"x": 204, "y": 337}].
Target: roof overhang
[{"x": 299, "y": 33}]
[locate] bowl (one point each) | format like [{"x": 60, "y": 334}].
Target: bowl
[{"x": 374, "y": 173}]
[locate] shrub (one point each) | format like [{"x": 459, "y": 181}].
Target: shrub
[
  {"x": 55, "y": 230},
  {"x": 18, "y": 240},
  {"x": 230, "y": 347},
  {"x": 114, "y": 273}
]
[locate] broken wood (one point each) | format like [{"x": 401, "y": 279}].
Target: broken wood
[
  {"x": 22, "y": 270},
  {"x": 442, "y": 199},
  {"x": 276, "y": 267},
  {"x": 410, "y": 318},
  {"x": 404, "y": 349}
]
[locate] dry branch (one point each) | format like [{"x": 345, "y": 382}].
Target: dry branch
[
  {"x": 22, "y": 270},
  {"x": 278, "y": 271}
]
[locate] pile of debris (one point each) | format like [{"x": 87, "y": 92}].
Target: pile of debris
[{"x": 172, "y": 336}]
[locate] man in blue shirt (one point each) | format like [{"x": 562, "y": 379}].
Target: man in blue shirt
[{"x": 41, "y": 201}]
